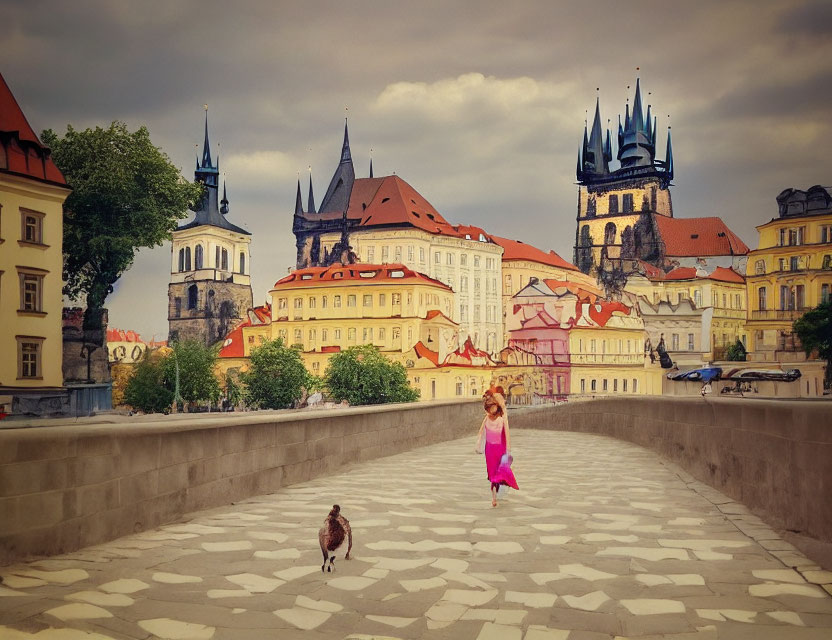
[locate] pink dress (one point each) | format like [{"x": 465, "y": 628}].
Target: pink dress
[{"x": 495, "y": 448}]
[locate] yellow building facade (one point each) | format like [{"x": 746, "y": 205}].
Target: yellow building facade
[
  {"x": 721, "y": 297},
  {"x": 471, "y": 267},
  {"x": 32, "y": 192},
  {"x": 790, "y": 272}
]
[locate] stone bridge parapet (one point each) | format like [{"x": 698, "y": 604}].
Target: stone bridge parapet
[{"x": 66, "y": 487}]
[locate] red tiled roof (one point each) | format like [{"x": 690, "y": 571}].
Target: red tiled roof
[
  {"x": 726, "y": 275},
  {"x": 232, "y": 346},
  {"x": 579, "y": 289},
  {"x": 436, "y": 313},
  {"x": 120, "y": 335},
  {"x": 350, "y": 274},
  {"x": 722, "y": 274},
  {"x": 680, "y": 273},
  {"x": 424, "y": 352},
  {"x": 696, "y": 237},
  {"x": 23, "y": 153},
  {"x": 516, "y": 250},
  {"x": 391, "y": 201}
]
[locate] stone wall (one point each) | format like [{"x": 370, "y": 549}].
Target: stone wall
[
  {"x": 774, "y": 456},
  {"x": 66, "y": 487}
]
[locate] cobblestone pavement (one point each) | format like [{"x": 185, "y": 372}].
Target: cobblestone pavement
[{"x": 603, "y": 541}]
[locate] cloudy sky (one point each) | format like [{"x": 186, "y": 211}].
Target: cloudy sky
[{"x": 479, "y": 105}]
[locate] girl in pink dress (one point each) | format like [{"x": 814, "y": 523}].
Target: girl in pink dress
[{"x": 494, "y": 437}]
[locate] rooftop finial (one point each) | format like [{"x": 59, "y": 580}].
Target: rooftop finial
[
  {"x": 298, "y": 201},
  {"x": 311, "y": 201},
  {"x": 224, "y": 201},
  {"x": 206, "y": 146}
]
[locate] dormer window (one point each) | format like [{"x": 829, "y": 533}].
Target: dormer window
[
  {"x": 306, "y": 276},
  {"x": 467, "y": 236},
  {"x": 398, "y": 273},
  {"x": 337, "y": 275},
  {"x": 383, "y": 200},
  {"x": 483, "y": 238},
  {"x": 367, "y": 274}
]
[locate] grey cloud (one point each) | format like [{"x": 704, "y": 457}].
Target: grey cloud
[{"x": 277, "y": 76}]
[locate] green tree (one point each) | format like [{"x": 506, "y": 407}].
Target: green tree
[
  {"x": 814, "y": 328},
  {"x": 276, "y": 377},
  {"x": 197, "y": 381},
  {"x": 363, "y": 375},
  {"x": 126, "y": 194},
  {"x": 146, "y": 390},
  {"x": 736, "y": 352},
  {"x": 233, "y": 390}
]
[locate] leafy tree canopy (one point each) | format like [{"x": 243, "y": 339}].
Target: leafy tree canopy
[
  {"x": 736, "y": 352},
  {"x": 146, "y": 390},
  {"x": 126, "y": 194},
  {"x": 276, "y": 377},
  {"x": 197, "y": 381},
  {"x": 814, "y": 328},
  {"x": 363, "y": 375}
]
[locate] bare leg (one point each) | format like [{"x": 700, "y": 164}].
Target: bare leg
[
  {"x": 332, "y": 563},
  {"x": 323, "y": 566},
  {"x": 493, "y": 495}
]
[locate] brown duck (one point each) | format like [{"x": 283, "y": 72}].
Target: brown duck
[{"x": 331, "y": 536}]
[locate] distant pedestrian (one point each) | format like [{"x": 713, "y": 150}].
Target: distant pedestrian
[{"x": 494, "y": 439}]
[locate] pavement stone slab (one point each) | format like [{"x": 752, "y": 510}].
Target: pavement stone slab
[{"x": 604, "y": 540}]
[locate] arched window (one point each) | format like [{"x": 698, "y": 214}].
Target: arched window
[
  {"x": 224, "y": 260},
  {"x": 182, "y": 259},
  {"x": 198, "y": 257},
  {"x": 242, "y": 262},
  {"x": 187, "y": 258},
  {"x": 609, "y": 233},
  {"x": 761, "y": 293},
  {"x": 192, "y": 296}
]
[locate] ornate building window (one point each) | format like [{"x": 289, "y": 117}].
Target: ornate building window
[
  {"x": 627, "y": 202},
  {"x": 385, "y": 254},
  {"x": 312, "y": 302},
  {"x": 198, "y": 257},
  {"x": 298, "y": 336},
  {"x": 193, "y": 294},
  {"x": 614, "y": 204},
  {"x": 422, "y": 255},
  {"x": 368, "y": 300},
  {"x": 181, "y": 260},
  {"x": 187, "y": 258},
  {"x": 242, "y": 262},
  {"x": 371, "y": 254},
  {"x": 697, "y": 298},
  {"x": 336, "y": 301},
  {"x": 476, "y": 261},
  {"x": 29, "y": 353},
  {"x": 31, "y": 291},
  {"x": 398, "y": 255},
  {"x": 324, "y": 335},
  {"x": 351, "y": 334},
  {"x": 224, "y": 260},
  {"x": 351, "y": 301},
  {"x": 410, "y": 253}
]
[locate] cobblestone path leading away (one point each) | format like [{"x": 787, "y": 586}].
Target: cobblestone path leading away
[{"x": 604, "y": 540}]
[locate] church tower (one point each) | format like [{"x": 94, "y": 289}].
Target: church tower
[
  {"x": 210, "y": 283},
  {"x": 617, "y": 207}
]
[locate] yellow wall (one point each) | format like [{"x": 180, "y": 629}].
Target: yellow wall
[
  {"x": 768, "y": 325},
  {"x": 18, "y": 193},
  {"x": 462, "y": 265},
  {"x": 518, "y": 273},
  {"x": 609, "y": 353},
  {"x": 722, "y": 326},
  {"x": 394, "y": 327}
]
